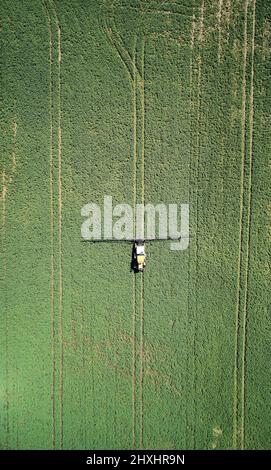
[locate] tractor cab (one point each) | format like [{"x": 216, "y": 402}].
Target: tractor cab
[{"x": 138, "y": 257}]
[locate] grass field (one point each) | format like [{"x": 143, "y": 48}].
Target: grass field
[{"x": 146, "y": 101}]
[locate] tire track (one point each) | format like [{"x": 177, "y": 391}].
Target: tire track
[
  {"x": 3, "y": 192},
  {"x": 199, "y": 62},
  {"x": 3, "y": 197},
  {"x": 167, "y": 12},
  {"x": 58, "y": 266},
  {"x": 133, "y": 276},
  {"x": 142, "y": 103},
  {"x": 201, "y": 31},
  {"x": 188, "y": 367},
  {"x": 119, "y": 41},
  {"x": 52, "y": 229},
  {"x": 251, "y": 136},
  {"x": 219, "y": 14},
  {"x": 7, "y": 177},
  {"x": 134, "y": 132},
  {"x": 14, "y": 163},
  {"x": 242, "y": 180},
  {"x": 138, "y": 168},
  {"x": 60, "y": 234},
  {"x": 142, "y": 362},
  {"x": 116, "y": 44},
  {"x": 134, "y": 363},
  {"x": 228, "y": 18},
  {"x": 142, "y": 87},
  {"x": 199, "y": 84}
]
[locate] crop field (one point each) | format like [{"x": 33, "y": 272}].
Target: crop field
[{"x": 147, "y": 101}]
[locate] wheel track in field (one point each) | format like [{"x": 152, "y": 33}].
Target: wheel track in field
[
  {"x": 168, "y": 11},
  {"x": 251, "y": 143},
  {"x": 7, "y": 177},
  {"x": 237, "y": 319},
  {"x": 142, "y": 95},
  {"x": 142, "y": 103},
  {"x": 134, "y": 363},
  {"x": 3, "y": 198},
  {"x": 134, "y": 104},
  {"x": 189, "y": 332},
  {"x": 244, "y": 240},
  {"x": 133, "y": 277},
  {"x": 223, "y": 15},
  {"x": 219, "y": 15},
  {"x": 228, "y": 18},
  {"x": 116, "y": 43},
  {"x": 142, "y": 363},
  {"x": 60, "y": 233},
  {"x": 197, "y": 34},
  {"x": 198, "y": 143},
  {"x": 52, "y": 228},
  {"x": 138, "y": 98},
  {"x": 52, "y": 17}
]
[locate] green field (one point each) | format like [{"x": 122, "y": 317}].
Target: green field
[{"x": 147, "y": 101}]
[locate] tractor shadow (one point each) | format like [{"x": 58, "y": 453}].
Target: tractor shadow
[{"x": 133, "y": 264}]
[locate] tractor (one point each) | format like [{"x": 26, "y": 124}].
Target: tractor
[{"x": 138, "y": 262}]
